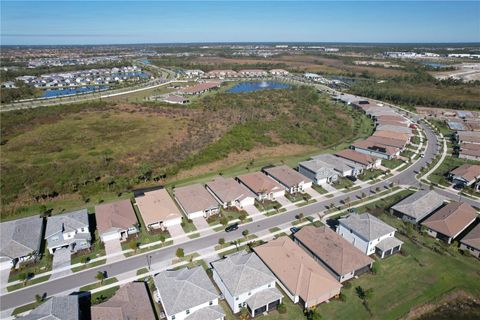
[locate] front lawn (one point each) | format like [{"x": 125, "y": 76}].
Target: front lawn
[
  {"x": 298, "y": 197},
  {"x": 227, "y": 215},
  {"x": 439, "y": 176},
  {"x": 32, "y": 268},
  {"x": 265, "y": 205},
  {"x": 319, "y": 189},
  {"x": 342, "y": 183},
  {"x": 392, "y": 163},
  {"x": 369, "y": 174}
]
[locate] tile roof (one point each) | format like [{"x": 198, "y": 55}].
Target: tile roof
[
  {"x": 391, "y": 135},
  {"x": 260, "y": 183},
  {"x": 200, "y": 87},
  {"x": 184, "y": 289},
  {"x": 355, "y": 156},
  {"x": 377, "y": 147},
  {"x": 420, "y": 204},
  {"x": 67, "y": 222},
  {"x": 388, "y": 244},
  {"x": 302, "y": 275},
  {"x": 469, "y": 136},
  {"x": 287, "y": 176},
  {"x": 473, "y": 238},
  {"x": 56, "y": 308},
  {"x": 467, "y": 171},
  {"x": 396, "y": 143},
  {"x": 20, "y": 237},
  {"x": 366, "y": 225},
  {"x": 195, "y": 198},
  {"x": 263, "y": 298},
  {"x": 337, "y": 163},
  {"x": 389, "y": 127},
  {"x": 336, "y": 252},
  {"x": 227, "y": 189},
  {"x": 242, "y": 272},
  {"x": 156, "y": 206},
  {"x": 131, "y": 301},
  {"x": 451, "y": 219},
  {"x": 118, "y": 215}
]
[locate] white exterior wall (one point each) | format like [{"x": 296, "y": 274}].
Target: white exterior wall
[
  {"x": 197, "y": 214},
  {"x": 112, "y": 235},
  {"x": 277, "y": 194},
  {"x": 248, "y": 201},
  {"x": 368, "y": 247},
  {"x": 172, "y": 222},
  {"x": 223, "y": 289}
]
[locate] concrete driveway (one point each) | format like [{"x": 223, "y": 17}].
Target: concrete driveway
[
  {"x": 328, "y": 187},
  {"x": 253, "y": 212},
  {"x": 202, "y": 226},
  {"x": 313, "y": 193},
  {"x": 61, "y": 263},
  {"x": 113, "y": 247},
  {"x": 284, "y": 202},
  {"x": 177, "y": 231}
]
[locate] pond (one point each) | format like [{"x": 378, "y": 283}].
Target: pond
[
  {"x": 434, "y": 65},
  {"x": 71, "y": 91},
  {"x": 257, "y": 86}
]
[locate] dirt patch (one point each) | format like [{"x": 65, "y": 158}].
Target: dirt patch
[{"x": 447, "y": 303}]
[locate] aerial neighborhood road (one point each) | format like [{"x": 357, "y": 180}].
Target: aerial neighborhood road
[{"x": 72, "y": 282}]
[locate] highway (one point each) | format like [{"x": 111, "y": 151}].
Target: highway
[{"x": 78, "y": 279}]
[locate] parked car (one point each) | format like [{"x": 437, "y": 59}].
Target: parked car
[
  {"x": 458, "y": 186},
  {"x": 294, "y": 230},
  {"x": 351, "y": 178},
  {"x": 232, "y": 227}
]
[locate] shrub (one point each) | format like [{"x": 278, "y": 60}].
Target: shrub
[
  {"x": 281, "y": 308},
  {"x": 180, "y": 253}
]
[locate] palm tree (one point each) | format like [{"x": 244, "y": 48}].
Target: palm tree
[{"x": 100, "y": 276}]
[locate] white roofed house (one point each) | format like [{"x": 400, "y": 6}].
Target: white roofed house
[
  {"x": 70, "y": 230},
  {"x": 292, "y": 180},
  {"x": 20, "y": 240},
  {"x": 418, "y": 206},
  {"x": 246, "y": 281},
  {"x": 318, "y": 171},
  {"x": 196, "y": 201},
  {"x": 369, "y": 234},
  {"x": 188, "y": 294},
  {"x": 278, "y": 72}
]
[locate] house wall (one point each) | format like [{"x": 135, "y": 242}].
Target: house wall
[
  {"x": 248, "y": 201},
  {"x": 472, "y": 250},
  {"x": 112, "y": 235},
  {"x": 315, "y": 177},
  {"x": 468, "y": 157},
  {"x": 368, "y": 247},
  {"x": 172, "y": 222},
  {"x": 372, "y": 153}
]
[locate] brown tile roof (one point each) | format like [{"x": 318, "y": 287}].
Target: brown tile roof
[
  {"x": 356, "y": 156},
  {"x": 374, "y": 146},
  {"x": 115, "y": 215},
  {"x": 156, "y": 206},
  {"x": 392, "y": 118},
  {"x": 131, "y": 301},
  {"x": 387, "y": 141},
  {"x": 195, "y": 198},
  {"x": 472, "y": 238},
  {"x": 298, "y": 271},
  {"x": 392, "y": 135},
  {"x": 260, "y": 183},
  {"x": 200, "y": 87},
  {"x": 470, "y": 152},
  {"x": 336, "y": 252},
  {"x": 392, "y": 122},
  {"x": 469, "y": 136},
  {"x": 467, "y": 171},
  {"x": 287, "y": 176},
  {"x": 470, "y": 146},
  {"x": 451, "y": 219},
  {"x": 227, "y": 189}
]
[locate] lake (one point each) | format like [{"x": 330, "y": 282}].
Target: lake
[
  {"x": 257, "y": 86},
  {"x": 434, "y": 65},
  {"x": 71, "y": 91}
]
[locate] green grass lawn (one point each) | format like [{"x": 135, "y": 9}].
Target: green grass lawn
[
  {"x": 42, "y": 265},
  {"x": 89, "y": 265},
  {"x": 439, "y": 176},
  {"x": 188, "y": 226},
  {"x": 319, "y": 189},
  {"x": 369, "y": 174},
  {"x": 29, "y": 283},
  {"x": 96, "y": 285},
  {"x": 103, "y": 295},
  {"x": 305, "y": 197},
  {"x": 229, "y": 214},
  {"x": 342, "y": 183},
  {"x": 294, "y": 311},
  {"x": 267, "y": 205},
  {"x": 392, "y": 163}
]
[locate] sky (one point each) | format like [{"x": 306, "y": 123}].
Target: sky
[{"x": 124, "y": 22}]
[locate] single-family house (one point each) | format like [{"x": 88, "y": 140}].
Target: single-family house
[
  {"x": 200, "y": 88},
  {"x": 246, "y": 282},
  {"x": 302, "y": 279},
  {"x": 418, "y": 206},
  {"x": 116, "y": 220},
  {"x": 62, "y": 308},
  {"x": 253, "y": 73},
  {"x": 292, "y": 180},
  {"x": 229, "y": 193},
  {"x": 158, "y": 210},
  {"x": 342, "y": 166},
  {"x": 450, "y": 221},
  {"x": 389, "y": 142},
  {"x": 196, "y": 201},
  {"x": 20, "y": 240},
  {"x": 278, "y": 72},
  {"x": 398, "y": 129},
  {"x": 262, "y": 186},
  {"x": 468, "y": 137},
  {"x": 188, "y": 294},
  {"x": 338, "y": 256},
  {"x": 221, "y": 74},
  {"x": 396, "y": 118},
  {"x": 319, "y": 171},
  {"x": 466, "y": 174},
  {"x": 471, "y": 241},
  {"x": 376, "y": 149},
  {"x": 131, "y": 301},
  {"x": 469, "y": 151},
  {"x": 364, "y": 160},
  {"x": 175, "y": 99},
  {"x": 369, "y": 234},
  {"x": 69, "y": 230},
  {"x": 405, "y": 138}
]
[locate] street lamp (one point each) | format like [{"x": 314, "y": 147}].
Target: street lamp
[{"x": 149, "y": 262}]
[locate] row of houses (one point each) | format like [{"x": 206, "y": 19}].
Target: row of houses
[
  {"x": 246, "y": 73},
  {"x": 468, "y": 144},
  {"x": 466, "y": 175},
  {"x": 441, "y": 218}
]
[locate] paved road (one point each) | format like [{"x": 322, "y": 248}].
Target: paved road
[{"x": 71, "y": 282}]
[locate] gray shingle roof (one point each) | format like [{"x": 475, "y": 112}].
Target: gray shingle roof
[
  {"x": 389, "y": 243},
  {"x": 214, "y": 312},
  {"x": 67, "y": 222},
  {"x": 337, "y": 163},
  {"x": 183, "y": 289},
  {"x": 366, "y": 225},
  {"x": 320, "y": 168},
  {"x": 20, "y": 237},
  {"x": 56, "y": 308},
  {"x": 242, "y": 272},
  {"x": 263, "y": 297},
  {"x": 420, "y": 204}
]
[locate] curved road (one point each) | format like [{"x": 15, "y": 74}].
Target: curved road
[{"x": 76, "y": 280}]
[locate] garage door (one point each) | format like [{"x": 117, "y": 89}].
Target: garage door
[{"x": 110, "y": 236}]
